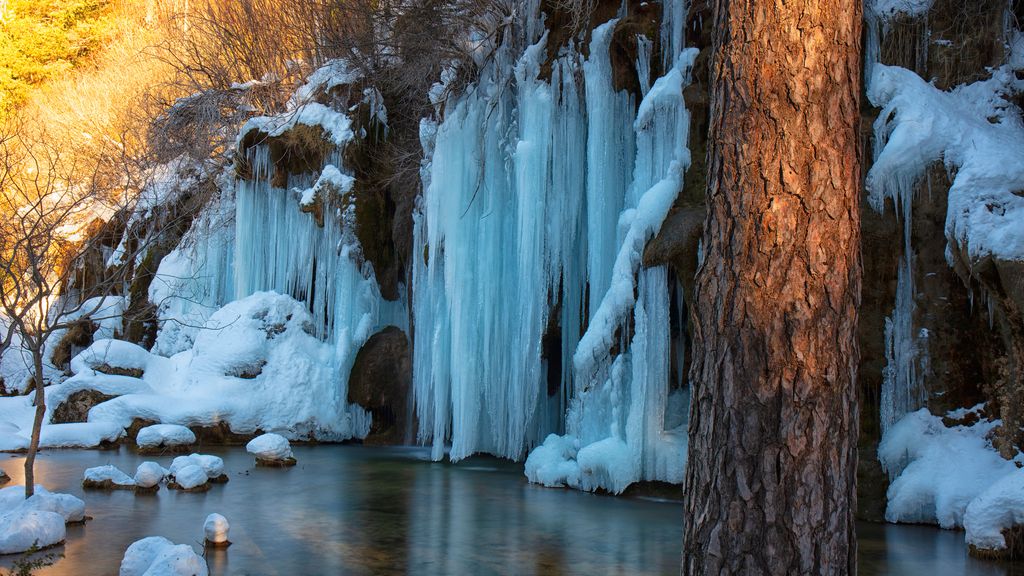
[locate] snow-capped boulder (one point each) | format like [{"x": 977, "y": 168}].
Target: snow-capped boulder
[
  {"x": 112, "y": 357},
  {"x": 996, "y": 510},
  {"x": 212, "y": 465},
  {"x": 107, "y": 478},
  {"x": 149, "y": 475},
  {"x": 23, "y": 528},
  {"x": 158, "y": 556},
  {"x": 216, "y": 530},
  {"x": 271, "y": 450},
  {"x": 161, "y": 437},
  {"x": 38, "y": 521},
  {"x": 4, "y": 478},
  {"x": 191, "y": 478}
]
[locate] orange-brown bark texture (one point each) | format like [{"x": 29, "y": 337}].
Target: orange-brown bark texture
[{"x": 770, "y": 481}]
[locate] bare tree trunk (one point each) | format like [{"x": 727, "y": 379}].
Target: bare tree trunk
[
  {"x": 770, "y": 480},
  {"x": 37, "y": 423}
]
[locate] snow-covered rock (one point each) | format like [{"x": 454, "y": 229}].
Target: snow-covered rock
[
  {"x": 938, "y": 471},
  {"x": 23, "y": 528},
  {"x": 998, "y": 508},
  {"x": 216, "y": 530},
  {"x": 149, "y": 475},
  {"x": 190, "y": 478},
  {"x": 158, "y": 556},
  {"x": 271, "y": 449},
  {"x": 107, "y": 477},
  {"x": 164, "y": 436},
  {"x": 212, "y": 465},
  {"x": 38, "y": 521},
  {"x": 4, "y": 478},
  {"x": 116, "y": 354},
  {"x": 234, "y": 375}
]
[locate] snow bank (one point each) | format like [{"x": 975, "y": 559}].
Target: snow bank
[
  {"x": 37, "y": 521},
  {"x": 113, "y": 353},
  {"x": 158, "y": 556},
  {"x": 938, "y": 472},
  {"x": 270, "y": 447},
  {"x": 149, "y": 474},
  {"x": 216, "y": 529},
  {"x": 107, "y": 477},
  {"x": 998, "y": 508},
  {"x": 164, "y": 435},
  {"x": 255, "y": 365},
  {"x": 23, "y": 528}
]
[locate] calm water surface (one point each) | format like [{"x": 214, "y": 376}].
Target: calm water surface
[{"x": 357, "y": 510}]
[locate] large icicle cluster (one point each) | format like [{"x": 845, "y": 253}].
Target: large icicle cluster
[
  {"x": 540, "y": 195},
  {"x": 979, "y": 136}
]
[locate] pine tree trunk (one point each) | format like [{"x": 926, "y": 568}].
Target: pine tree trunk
[
  {"x": 770, "y": 481},
  {"x": 37, "y": 423}
]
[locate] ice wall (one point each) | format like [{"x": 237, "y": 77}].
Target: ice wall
[
  {"x": 540, "y": 195},
  {"x": 976, "y": 132},
  {"x": 259, "y": 237}
]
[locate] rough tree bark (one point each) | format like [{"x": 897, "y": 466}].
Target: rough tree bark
[
  {"x": 770, "y": 481},
  {"x": 37, "y": 423}
]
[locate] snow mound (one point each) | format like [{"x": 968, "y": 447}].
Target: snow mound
[
  {"x": 38, "y": 521},
  {"x": 112, "y": 354},
  {"x": 158, "y": 556},
  {"x": 553, "y": 463},
  {"x": 272, "y": 447},
  {"x": 150, "y": 474},
  {"x": 998, "y": 508},
  {"x": 216, "y": 529},
  {"x": 107, "y": 476},
  {"x": 191, "y": 477},
  {"x": 938, "y": 471},
  {"x": 255, "y": 365},
  {"x": 164, "y": 435},
  {"x": 213, "y": 466},
  {"x": 23, "y": 528}
]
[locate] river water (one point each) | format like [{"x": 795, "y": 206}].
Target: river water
[{"x": 360, "y": 510}]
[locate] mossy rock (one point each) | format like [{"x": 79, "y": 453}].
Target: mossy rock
[
  {"x": 205, "y": 487},
  {"x": 108, "y": 484},
  {"x": 286, "y": 463},
  {"x": 76, "y": 408}
]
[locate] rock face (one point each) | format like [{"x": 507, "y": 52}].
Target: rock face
[
  {"x": 381, "y": 381},
  {"x": 76, "y": 407}
]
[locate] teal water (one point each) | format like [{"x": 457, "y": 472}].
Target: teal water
[{"x": 360, "y": 510}]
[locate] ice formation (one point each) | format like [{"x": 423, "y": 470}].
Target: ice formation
[
  {"x": 539, "y": 193},
  {"x": 158, "y": 556},
  {"x": 978, "y": 134}
]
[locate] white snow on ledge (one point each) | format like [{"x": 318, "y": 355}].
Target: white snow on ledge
[
  {"x": 980, "y": 137},
  {"x": 952, "y": 477},
  {"x": 336, "y": 125}
]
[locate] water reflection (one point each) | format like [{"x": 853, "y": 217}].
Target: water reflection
[{"x": 353, "y": 510}]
